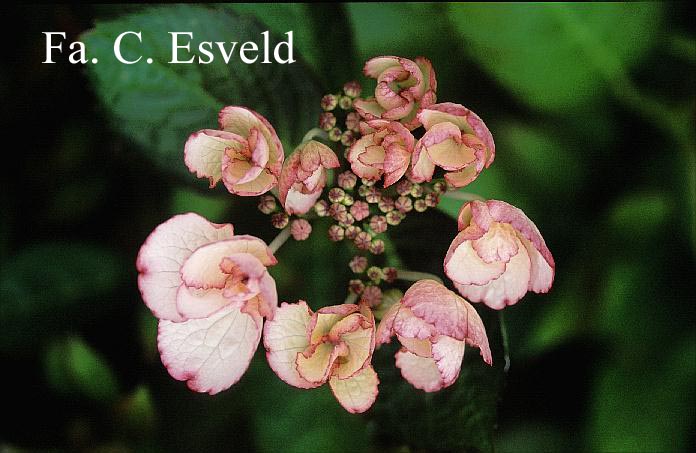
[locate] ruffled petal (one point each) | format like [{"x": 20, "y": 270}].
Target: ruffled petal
[
  {"x": 356, "y": 151},
  {"x": 360, "y": 344},
  {"x": 375, "y": 66},
  {"x": 284, "y": 338},
  {"x": 500, "y": 243},
  {"x": 163, "y": 253},
  {"x": 314, "y": 365},
  {"x": 368, "y": 108},
  {"x": 357, "y": 393},
  {"x": 422, "y": 168},
  {"x": 464, "y": 266},
  {"x": 204, "y": 269},
  {"x": 204, "y": 151},
  {"x": 195, "y": 303},
  {"x": 448, "y": 354},
  {"x": 420, "y": 372},
  {"x": 297, "y": 202},
  {"x": 211, "y": 353}
]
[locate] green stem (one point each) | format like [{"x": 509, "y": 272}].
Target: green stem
[
  {"x": 506, "y": 341},
  {"x": 462, "y": 196},
  {"x": 351, "y": 298},
  {"x": 279, "y": 240},
  {"x": 315, "y": 133},
  {"x": 413, "y": 276}
]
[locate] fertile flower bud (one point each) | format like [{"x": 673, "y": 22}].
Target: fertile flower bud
[
  {"x": 377, "y": 247},
  {"x": 363, "y": 240},
  {"x": 390, "y": 274},
  {"x": 404, "y": 187},
  {"x": 416, "y": 191},
  {"x": 347, "y": 180},
  {"x": 389, "y": 297},
  {"x": 394, "y": 217},
  {"x": 267, "y": 204},
  {"x": 432, "y": 199},
  {"x": 335, "y": 134},
  {"x": 386, "y": 204},
  {"x": 352, "y": 89},
  {"x": 336, "y": 210},
  {"x": 280, "y": 220},
  {"x": 348, "y": 200},
  {"x": 419, "y": 205},
  {"x": 329, "y": 102},
  {"x": 378, "y": 223},
  {"x": 321, "y": 207},
  {"x": 375, "y": 274},
  {"x": 373, "y": 195},
  {"x": 327, "y": 121},
  {"x": 358, "y": 264},
  {"x": 403, "y": 204},
  {"x": 367, "y": 182},
  {"x": 363, "y": 190},
  {"x": 360, "y": 209},
  {"x": 352, "y": 231},
  {"x": 346, "y": 220},
  {"x": 336, "y": 233},
  {"x": 300, "y": 229},
  {"x": 345, "y": 103},
  {"x": 336, "y": 195},
  {"x": 347, "y": 138},
  {"x": 372, "y": 296},
  {"x": 356, "y": 286},
  {"x": 439, "y": 187},
  {"x": 353, "y": 122}
]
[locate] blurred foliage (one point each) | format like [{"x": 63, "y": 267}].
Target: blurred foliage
[{"x": 592, "y": 110}]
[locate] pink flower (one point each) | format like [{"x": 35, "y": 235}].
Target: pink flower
[
  {"x": 385, "y": 148},
  {"x": 300, "y": 229},
  {"x": 403, "y": 87},
  {"x": 433, "y": 325},
  {"x": 498, "y": 255},
  {"x": 304, "y": 176},
  {"x": 333, "y": 345},
  {"x": 210, "y": 290},
  {"x": 457, "y": 140},
  {"x": 246, "y": 153}
]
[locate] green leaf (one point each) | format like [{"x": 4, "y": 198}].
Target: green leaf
[
  {"x": 73, "y": 368},
  {"x": 42, "y": 285},
  {"x": 158, "y": 105},
  {"x": 557, "y": 57},
  {"x": 212, "y": 207}
]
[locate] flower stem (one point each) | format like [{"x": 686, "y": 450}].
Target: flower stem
[
  {"x": 351, "y": 298},
  {"x": 315, "y": 132},
  {"x": 413, "y": 276},
  {"x": 463, "y": 196},
  {"x": 506, "y": 343},
  {"x": 279, "y": 240}
]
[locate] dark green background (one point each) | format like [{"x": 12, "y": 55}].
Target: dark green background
[{"x": 592, "y": 109}]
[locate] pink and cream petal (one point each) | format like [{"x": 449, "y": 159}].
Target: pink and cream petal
[
  {"x": 499, "y": 244},
  {"x": 314, "y": 365},
  {"x": 375, "y": 66},
  {"x": 164, "y": 251},
  {"x": 195, "y": 303},
  {"x": 464, "y": 266},
  {"x": 297, "y": 202},
  {"x": 448, "y": 354},
  {"x": 241, "y": 120},
  {"x": 357, "y": 393},
  {"x": 462, "y": 177},
  {"x": 204, "y": 151},
  {"x": 212, "y": 353},
  {"x": 359, "y": 343},
  {"x": 422, "y": 168},
  {"x": 420, "y": 372},
  {"x": 284, "y": 338},
  {"x": 368, "y": 108}
]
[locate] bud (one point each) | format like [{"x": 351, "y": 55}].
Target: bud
[
  {"x": 345, "y": 103},
  {"x": 394, "y": 218},
  {"x": 373, "y": 195},
  {"x": 346, "y": 220},
  {"x": 352, "y": 89},
  {"x": 347, "y": 180},
  {"x": 352, "y": 231},
  {"x": 358, "y": 264},
  {"x": 375, "y": 274},
  {"x": 327, "y": 121},
  {"x": 439, "y": 187},
  {"x": 390, "y": 274},
  {"x": 356, "y": 286},
  {"x": 336, "y": 210},
  {"x": 363, "y": 240},
  {"x": 419, "y": 205},
  {"x": 432, "y": 199},
  {"x": 404, "y": 187},
  {"x": 336, "y": 233},
  {"x": 335, "y": 134},
  {"x": 367, "y": 182},
  {"x": 348, "y": 200},
  {"x": 336, "y": 195},
  {"x": 403, "y": 204},
  {"x": 386, "y": 204},
  {"x": 267, "y": 204},
  {"x": 280, "y": 220},
  {"x": 363, "y": 190},
  {"x": 417, "y": 191},
  {"x": 371, "y": 295},
  {"x": 321, "y": 207},
  {"x": 353, "y": 122},
  {"x": 378, "y": 223},
  {"x": 347, "y": 138},
  {"x": 329, "y": 102},
  {"x": 360, "y": 210},
  {"x": 300, "y": 229},
  {"x": 377, "y": 247}
]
